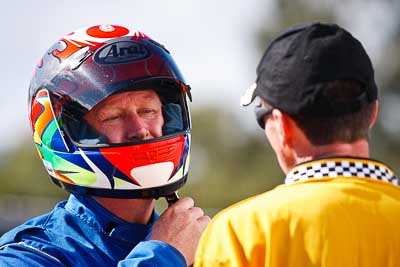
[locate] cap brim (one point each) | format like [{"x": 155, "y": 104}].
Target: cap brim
[{"x": 248, "y": 96}]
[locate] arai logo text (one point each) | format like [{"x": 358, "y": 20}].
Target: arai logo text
[{"x": 121, "y": 52}]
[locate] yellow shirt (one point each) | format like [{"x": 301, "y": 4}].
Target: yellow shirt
[{"x": 346, "y": 221}]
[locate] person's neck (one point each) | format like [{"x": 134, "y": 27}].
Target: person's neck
[
  {"x": 130, "y": 210},
  {"x": 358, "y": 149}
]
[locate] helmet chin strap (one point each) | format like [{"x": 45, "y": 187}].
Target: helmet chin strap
[{"x": 172, "y": 198}]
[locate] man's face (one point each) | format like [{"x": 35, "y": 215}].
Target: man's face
[{"x": 128, "y": 116}]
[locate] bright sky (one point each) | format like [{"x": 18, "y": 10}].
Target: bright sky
[{"x": 213, "y": 42}]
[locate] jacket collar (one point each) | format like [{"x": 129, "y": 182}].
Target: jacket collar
[
  {"x": 96, "y": 216},
  {"x": 336, "y": 167}
]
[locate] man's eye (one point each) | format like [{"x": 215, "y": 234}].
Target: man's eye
[
  {"x": 147, "y": 111},
  {"x": 111, "y": 118}
]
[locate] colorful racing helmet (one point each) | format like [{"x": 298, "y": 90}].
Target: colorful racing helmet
[{"x": 79, "y": 72}]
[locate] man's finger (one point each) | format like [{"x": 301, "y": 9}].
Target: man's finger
[{"x": 184, "y": 203}]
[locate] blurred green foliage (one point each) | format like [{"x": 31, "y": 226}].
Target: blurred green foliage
[
  {"x": 227, "y": 163},
  {"x": 22, "y": 173}
]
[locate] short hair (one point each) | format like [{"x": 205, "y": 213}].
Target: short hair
[{"x": 345, "y": 128}]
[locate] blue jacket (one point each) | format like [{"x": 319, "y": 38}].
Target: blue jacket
[{"x": 80, "y": 232}]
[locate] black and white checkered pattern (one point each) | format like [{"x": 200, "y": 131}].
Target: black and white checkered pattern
[{"x": 343, "y": 167}]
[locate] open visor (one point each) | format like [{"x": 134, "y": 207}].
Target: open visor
[{"x": 133, "y": 112}]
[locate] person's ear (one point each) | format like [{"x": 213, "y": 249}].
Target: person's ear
[
  {"x": 284, "y": 127},
  {"x": 374, "y": 114}
]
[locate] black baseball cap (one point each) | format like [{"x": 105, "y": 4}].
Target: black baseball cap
[{"x": 300, "y": 59}]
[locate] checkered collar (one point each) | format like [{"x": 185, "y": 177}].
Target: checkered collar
[{"x": 341, "y": 167}]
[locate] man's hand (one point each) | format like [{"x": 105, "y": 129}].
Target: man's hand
[{"x": 181, "y": 226}]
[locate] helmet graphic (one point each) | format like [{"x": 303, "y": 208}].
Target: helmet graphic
[{"x": 74, "y": 79}]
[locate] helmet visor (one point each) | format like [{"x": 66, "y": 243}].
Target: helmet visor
[{"x": 135, "y": 113}]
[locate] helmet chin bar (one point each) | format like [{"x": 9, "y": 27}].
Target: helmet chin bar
[{"x": 152, "y": 192}]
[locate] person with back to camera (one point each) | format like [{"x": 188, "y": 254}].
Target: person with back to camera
[
  {"x": 338, "y": 207},
  {"x": 110, "y": 119}
]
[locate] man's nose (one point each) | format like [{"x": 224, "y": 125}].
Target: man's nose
[{"x": 136, "y": 128}]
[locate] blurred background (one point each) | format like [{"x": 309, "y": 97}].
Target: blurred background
[{"x": 217, "y": 45}]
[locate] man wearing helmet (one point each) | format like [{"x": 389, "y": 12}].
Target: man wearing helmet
[{"x": 111, "y": 123}]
